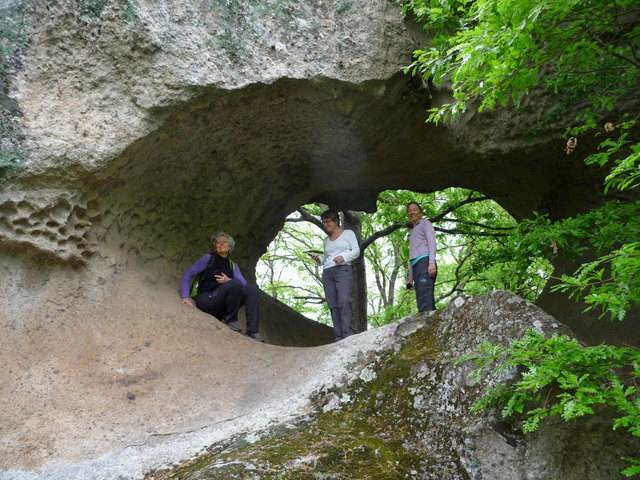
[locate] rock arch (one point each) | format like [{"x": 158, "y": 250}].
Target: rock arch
[{"x": 145, "y": 127}]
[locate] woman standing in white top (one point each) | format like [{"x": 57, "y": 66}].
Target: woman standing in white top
[{"x": 340, "y": 250}]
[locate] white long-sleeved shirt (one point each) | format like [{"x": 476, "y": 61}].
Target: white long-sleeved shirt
[{"x": 346, "y": 245}]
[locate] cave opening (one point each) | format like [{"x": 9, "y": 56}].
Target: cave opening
[{"x": 470, "y": 229}]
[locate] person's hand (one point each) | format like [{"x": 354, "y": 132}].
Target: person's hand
[
  {"x": 339, "y": 260},
  {"x": 316, "y": 258},
  {"x": 409, "y": 285},
  {"x": 187, "y": 301},
  {"x": 432, "y": 270},
  {"x": 222, "y": 278}
]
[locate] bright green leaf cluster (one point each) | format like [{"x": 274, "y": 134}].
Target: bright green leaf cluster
[
  {"x": 558, "y": 376},
  {"x": 496, "y": 52},
  {"x": 611, "y": 282}
]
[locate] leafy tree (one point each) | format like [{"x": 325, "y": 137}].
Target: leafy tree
[
  {"x": 286, "y": 273},
  {"x": 466, "y": 223},
  {"x": 494, "y": 53},
  {"x": 587, "y": 380}
]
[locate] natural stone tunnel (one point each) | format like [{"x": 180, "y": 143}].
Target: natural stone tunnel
[{"x": 146, "y": 126}]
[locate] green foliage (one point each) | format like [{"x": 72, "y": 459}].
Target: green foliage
[
  {"x": 560, "y": 377},
  {"x": 494, "y": 53},
  {"x": 612, "y": 281},
  {"x": 392, "y": 313},
  {"x": 621, "y": 152},
  {"x": 634, "y": 469},
  {"x": 497, "y": 52},
  {"x": 287, "y": 273},
  {"x": 466, "y": 223}
]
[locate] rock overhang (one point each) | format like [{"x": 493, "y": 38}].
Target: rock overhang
[
  {"x": 145, "y": 131},
  {"x": 147, "y": 127},
  {"x": 241, "y": 160},
  {"x": 160, "y": 124}
]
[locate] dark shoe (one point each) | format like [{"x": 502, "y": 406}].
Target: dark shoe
[
  {"x": 256, "y": 336},
  {"x": 235, "y": 326}
]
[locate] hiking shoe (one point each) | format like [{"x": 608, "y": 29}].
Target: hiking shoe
[
  {"x": 235, "y": 326},
  {"x": 256, "y": 336}
]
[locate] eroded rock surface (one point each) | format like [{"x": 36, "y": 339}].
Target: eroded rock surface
[
  {"x": 145, "y": 126},
  {"x": 142, "y": 127},
  {"x": 405, "y": 413},
  {"x": 391, "y": 401}
]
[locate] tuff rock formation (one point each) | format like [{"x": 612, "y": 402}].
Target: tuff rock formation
[
  {"x": 131, "y": 130},
  {"x": 389, "y": 403},
  {"x": 402, "y": 410}
]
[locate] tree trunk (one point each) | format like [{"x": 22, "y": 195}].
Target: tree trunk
[{"x": 359, "y": 297}]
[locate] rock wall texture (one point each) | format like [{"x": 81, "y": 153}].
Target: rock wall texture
[
  {"x": 405, "y": 413},
  {"x": 141, "y": 127},
  {"x": 131, "y": 131},
  {"x": 388, "y": 403}
]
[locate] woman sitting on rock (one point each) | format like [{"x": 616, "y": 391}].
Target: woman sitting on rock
[{"x": 222, "y": 289}]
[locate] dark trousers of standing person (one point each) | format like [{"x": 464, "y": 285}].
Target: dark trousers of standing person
[
  {"x": 424, "y": 285},
  {"x": 338, "y": 285}
]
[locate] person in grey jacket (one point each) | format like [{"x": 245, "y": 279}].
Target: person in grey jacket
[
  {"x": 422, "y": 258},
  {"x": 340, "y": 250}
]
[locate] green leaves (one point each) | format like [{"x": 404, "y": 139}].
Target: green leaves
[
  {"x": 559, "y": 377},
  {"x": 494, "y": 52},
  {"x": 611, "y": 282}
]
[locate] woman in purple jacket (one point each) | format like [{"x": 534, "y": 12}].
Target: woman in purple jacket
[{"x": 222, "y": 289}]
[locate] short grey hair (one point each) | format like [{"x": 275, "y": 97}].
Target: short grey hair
[{"x": 214, "y": 239}]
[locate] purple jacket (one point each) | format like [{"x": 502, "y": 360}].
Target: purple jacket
[{"x": 199, "y": 267}]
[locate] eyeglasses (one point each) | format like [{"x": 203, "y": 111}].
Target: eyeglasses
[{"x": 326, "y": 222}]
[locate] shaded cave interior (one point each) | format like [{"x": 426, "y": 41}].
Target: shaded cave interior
[{"x": 242, "y": 160}]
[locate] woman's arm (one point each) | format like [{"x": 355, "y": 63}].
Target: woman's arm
[
  {"x": 191, "y": 272},
  {"x": 354, "y": 249},
  {"x": 238, "y": 274},
  {"x": 430, "y": 234}
]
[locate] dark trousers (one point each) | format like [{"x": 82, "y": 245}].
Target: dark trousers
[
  {"x": 338, "y": 285},
  {"x": 424, "y": 284},
  {"x": 225, "y": 302}
]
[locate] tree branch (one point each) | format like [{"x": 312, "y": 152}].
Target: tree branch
[
  {"x": 469, "y": 200},
  {"x": 311, "y": 219},
  {"x": 481, "y": 225},
  {"x": 382, "y": 233},
  {"x": 458, "y": 232}
]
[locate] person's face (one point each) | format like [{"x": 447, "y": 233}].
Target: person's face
[
  {"x": 414, "y": 213},
  {"x": 223, "y": 246},
  {"x": 329, "y": 225}
]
